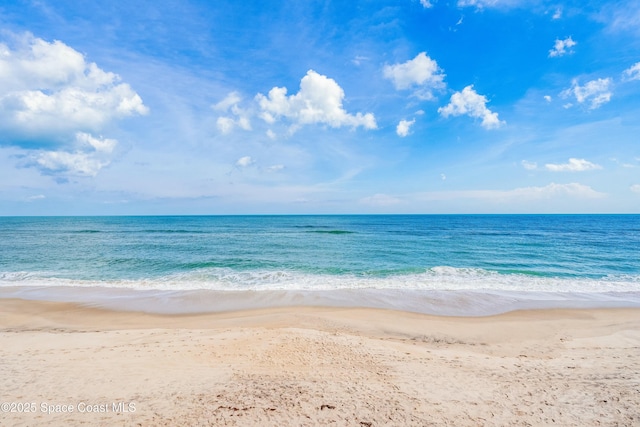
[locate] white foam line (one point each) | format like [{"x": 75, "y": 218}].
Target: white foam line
[{"x": 440, "y": 278}]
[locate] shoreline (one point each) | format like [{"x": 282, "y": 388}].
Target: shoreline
[
  {"x": 319, "y": 365},
  {"x": 455, "y": 302}
]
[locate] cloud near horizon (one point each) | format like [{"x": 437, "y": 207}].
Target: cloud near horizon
[
  {"x": 521, "y": 194},
  {"x": 552, "y": 190}
]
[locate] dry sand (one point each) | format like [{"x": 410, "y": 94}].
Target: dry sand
[{"x": 317, "y": 366}]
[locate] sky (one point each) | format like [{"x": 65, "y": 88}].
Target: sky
[{"x": 328, "y": 107}]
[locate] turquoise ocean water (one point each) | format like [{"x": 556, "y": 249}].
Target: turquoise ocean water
[{"x": 441, "y": 264}]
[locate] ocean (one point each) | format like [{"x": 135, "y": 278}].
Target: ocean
[{"x": 467, "y": 265}]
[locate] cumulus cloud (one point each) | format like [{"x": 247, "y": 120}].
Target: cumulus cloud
[
  {"x": 404, "y": 127},
  {"x": 50, "y": 90},
  {"x": 472, "y": 104},
  {"x": 562, "y": 47},
  {"x": 239, "y": 117},
  {"x": 632, "y": 73},
  {"x": 90, "y": 155},
  {"x": 595, "y": 92},
  {"x": 52, "y": 100},
  {"x": 420, "y": 73},
  {"x": 529, "y": 165},
  {"x": 574, "y": 165},
  {"x": 635, "y": 188},
  {"x": 319, "y": 101},
  {"x": 426, "y": 4},
  {"x": 77, "y": 163}
]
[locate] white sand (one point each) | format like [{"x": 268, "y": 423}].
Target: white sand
[{"x": 318, "y": 366}]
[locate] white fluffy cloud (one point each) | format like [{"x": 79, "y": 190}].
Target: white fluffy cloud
[
  {"x": 562, "y": 47},
  {"x": 632, "y": 73},
  {"x": 420, "y": 73},
  {"x": 529, "y": 165},
  {"x": 595, "y": 92},
  {"x": 404, "y": 127},
  {"x": 635, "y": 188},
  {"x": 50, "y": 96},
  {"x": 50, "y": 90},
  {"x": 319, "y": 101},
  {"x": 239, "y": 119},
  {"x": 472, "y": 104},
  {"x": 90, "y": 155},
  {"x": 573, "y": 165}
]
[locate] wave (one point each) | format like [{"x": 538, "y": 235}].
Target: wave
[
  {"x": 331, "y": 231},
  {"x": 171, "y": 231},
  {"x": 441, "y": 278},
  {"x": 142, "y": 232}
]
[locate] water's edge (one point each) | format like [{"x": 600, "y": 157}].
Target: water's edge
[{"x": 467, "y": 303}]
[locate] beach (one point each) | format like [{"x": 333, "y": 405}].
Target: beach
[{"x": 68, "y": 364}]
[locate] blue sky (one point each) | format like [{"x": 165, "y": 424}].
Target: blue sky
[{"x": 226, "y": 107}]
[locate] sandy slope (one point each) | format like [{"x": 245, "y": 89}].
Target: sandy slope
[{"x": 318, "y": 366}]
